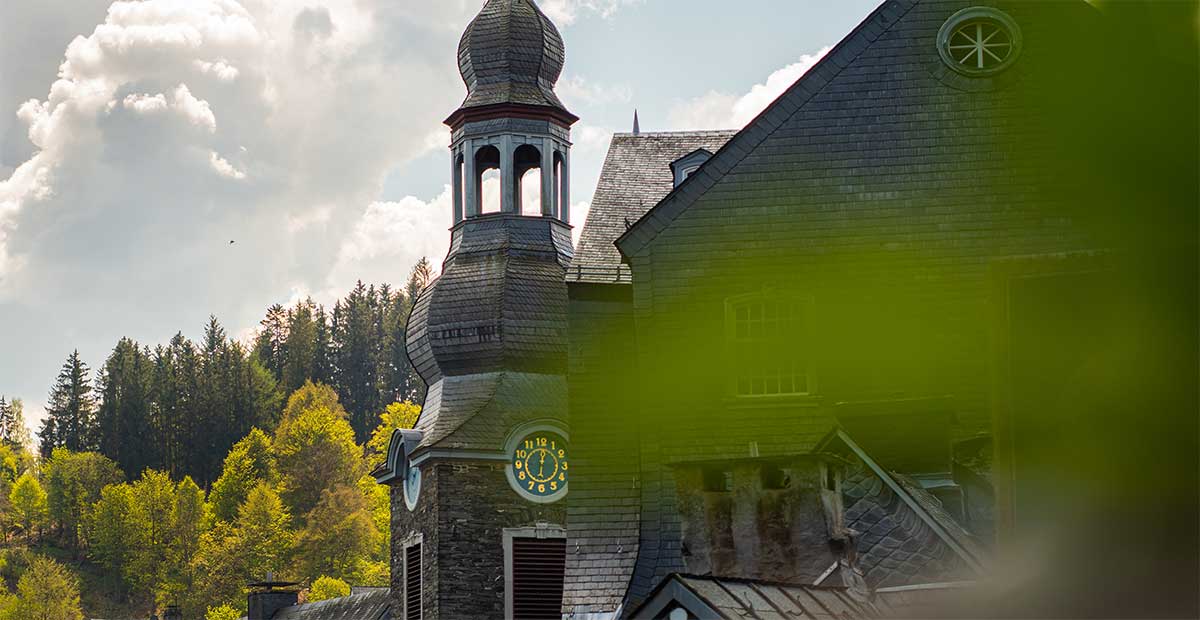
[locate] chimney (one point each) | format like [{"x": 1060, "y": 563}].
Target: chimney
[{"x": 269, "y": 596}]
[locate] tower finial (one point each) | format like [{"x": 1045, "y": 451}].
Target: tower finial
[{"x": 637, "y": 130}]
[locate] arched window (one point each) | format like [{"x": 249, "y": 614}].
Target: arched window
[
  {"x": 527, "y": 166},
  {"x": 770, "y": 352},
  {"x": 488, "y": 181}
]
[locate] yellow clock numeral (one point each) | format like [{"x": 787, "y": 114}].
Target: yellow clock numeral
[
  {"x": 562, "y": 477},
  {"x": 541, "y": 488},
  {"x": 522, "y": 454},
  {"x": 521, "y": 475},
  {"x": 562, "y": 453},
  {"x": 528, "y": 444},
  {"x": 565, "y": 465},
  {"x": 518, "y": 465},
  {"x": 553, "y": 486},
  {"x": 530, "y": 485}
]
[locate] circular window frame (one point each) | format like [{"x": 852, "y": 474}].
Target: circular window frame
[{"x": 974, "y": 14}]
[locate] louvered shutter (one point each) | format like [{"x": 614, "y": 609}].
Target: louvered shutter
[
  {"x": 412, "y": 582},
  {"x": 538, "y": 565}
]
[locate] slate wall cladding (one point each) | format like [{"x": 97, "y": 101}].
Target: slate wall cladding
[
  {"x": 602, "y": 524},
  {"x": 883, "y": 192},
  {"x": 476, "y": 506}
]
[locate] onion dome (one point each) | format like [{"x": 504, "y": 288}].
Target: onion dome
[{"x": 511, "y": 53}]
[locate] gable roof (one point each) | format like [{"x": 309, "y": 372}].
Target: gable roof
[
  {"x": 637, "y": 173},
  {"x": 655, "y": 220},
  {"x": 722, "y": 597}
]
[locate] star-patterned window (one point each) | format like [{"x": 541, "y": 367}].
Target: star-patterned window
[{"x": 979, "y": 41}]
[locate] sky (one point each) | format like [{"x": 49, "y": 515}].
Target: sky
[{"x": 139, "y": 138}]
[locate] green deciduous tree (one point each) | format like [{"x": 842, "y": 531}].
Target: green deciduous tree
[
  {"x": 47, "y": 591},
  {"x": 325, "y": 588},
  {"x": 111, "y": 531},
  {"x": 339, "y": 533},
  {"x": 248, "y": 463},
  {"x": 395, "y": 416},
  {"x": 28, "y": 501},
  {"x": 73, "y": 484},
  {"x": 314, "y": 448}
]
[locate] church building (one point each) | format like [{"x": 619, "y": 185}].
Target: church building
[{"x": 764, "y": 383}]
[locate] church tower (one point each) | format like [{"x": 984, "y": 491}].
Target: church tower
[{"x": 478, "y": 521}]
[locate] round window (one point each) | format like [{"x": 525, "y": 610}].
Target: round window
[{"x": 979, "y": 41}]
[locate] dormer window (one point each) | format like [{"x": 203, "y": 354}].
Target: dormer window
[{"x": 686, "y": 165}]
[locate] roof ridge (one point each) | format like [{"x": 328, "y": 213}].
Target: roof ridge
[
  {"x": 682, "y": 132},
  {"x": 699, "y": 182}
]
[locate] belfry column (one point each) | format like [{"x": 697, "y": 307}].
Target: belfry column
[
  {"x": 472, "y": 179},
  {"x": 564, "y": 202},
  {"x": 508, "y": 181},
  {"x": 549, "y": 200}
]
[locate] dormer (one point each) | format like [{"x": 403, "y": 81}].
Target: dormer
[{"x": 686, "y": 165}]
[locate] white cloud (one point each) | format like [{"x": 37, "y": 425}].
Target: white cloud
[
  {"x": 224, "y": 168},
  {"x": 717, "y": 110},
  {"x": 390, "y": 237},
  {"x": 565, "y": 12},
  {"x": 176, "y": 126},
  {"x": 577, "y": 90}
]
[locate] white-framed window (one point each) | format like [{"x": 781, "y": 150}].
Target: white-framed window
[
  {"x": 979, "y": 41},
  {"x": 413, "y": 606},
  {"x": 769, "y": 345},
  {"x": 535, "y": 560}
]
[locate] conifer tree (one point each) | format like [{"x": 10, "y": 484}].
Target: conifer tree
[{"x": 70, "y": 412}]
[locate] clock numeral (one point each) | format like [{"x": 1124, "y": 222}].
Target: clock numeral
[
  {"x": 528, "y": 444},
  {"x": 521, "y": 475},
  {"x": 541, "y": 488},
  {"x": 518, "y": 465},
  {"x": 553, "y": 486},
  {"x": 530, "y": 485},
  {"x": 522, "y": 454},
  {"x": 562, "y": 453},
  {"x": 565, "y": 465},
  {"x": 562, "y": 477}
]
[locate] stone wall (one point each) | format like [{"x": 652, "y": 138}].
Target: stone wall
[
  {"x": 784, "y": 530},
  {"x": 476, "y": 505}
]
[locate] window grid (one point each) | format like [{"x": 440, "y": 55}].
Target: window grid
[{"x": 769, "y": 358}]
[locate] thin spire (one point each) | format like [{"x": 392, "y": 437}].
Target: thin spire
[{"x": 636, "y": 129}]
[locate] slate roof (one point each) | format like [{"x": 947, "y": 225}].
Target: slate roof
[
  {"x": 750, "y": 599},
  {"x": 476, "y": 412},
  {"x": 745, "y": 141},
  {"x": 903, "y": 535},
  {"x": 636, "y": 175},
  {"x": 369, "y": 604},
  {"x": 511, "y": 53},
  {"x": 500, "y": 302}
]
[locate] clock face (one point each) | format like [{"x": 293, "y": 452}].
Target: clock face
[
  {"x": 539, "y": 466},
  {"x": 412, "y": 487}
]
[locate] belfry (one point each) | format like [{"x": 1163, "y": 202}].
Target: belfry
[{"x": 478, "y": 525}]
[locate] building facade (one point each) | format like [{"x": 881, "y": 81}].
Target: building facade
[{"x": 767, "y": 369}]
